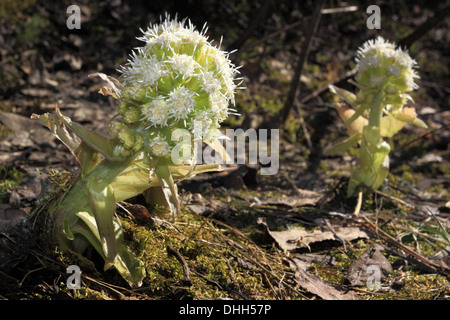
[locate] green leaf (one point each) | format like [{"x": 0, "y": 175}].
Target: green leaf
[
  {"x": 345, "y": 95},
  {"x": 87, "y": 228},
  {"x": 168, "y": 186},
  {"x": 344, "y": 144},
  {"x": 127, "y": 264},
  {"x": 444, "y": 231},
  {"x": 103, "y": 205}
]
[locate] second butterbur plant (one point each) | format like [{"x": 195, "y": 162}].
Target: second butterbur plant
[
  {"x": 176, "y": 88},
  {"x": 384, "y": 78}
]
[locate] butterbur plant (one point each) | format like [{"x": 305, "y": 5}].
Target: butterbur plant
[
  {"x": 176, "y": 88},
  {"x": 384, "y": 78}
]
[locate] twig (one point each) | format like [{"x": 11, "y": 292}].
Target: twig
[
  {"x": 429, "y": 264},
  {"x": 401, "y": 147},
  {"x": 256, "y": 21},
  {"x": 28, "y": 273},
  {"x": 314, "y": 94},
  {"x": 187, "y": 277},
  {"x": 438, "y": 17},
  {"x": 393, "y": 198},
  {"x": 296, "y": 83},
  {"x": 339, "y": 10},
  {"x": 221, "y": 287},
  {"x": 358, "y": 204},
  {"x": 107, "y": 285}
]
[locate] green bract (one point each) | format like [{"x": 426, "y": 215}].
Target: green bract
[
  {"x": 384, "y": 79},
  {"x": 178, "y": 80}
]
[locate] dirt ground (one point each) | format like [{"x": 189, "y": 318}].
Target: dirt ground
[{"x": 287, "y": 236}]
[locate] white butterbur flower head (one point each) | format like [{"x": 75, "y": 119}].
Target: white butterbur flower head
[
  {"x": 155, "y": 113},
  {"x": 381, "y": 66},
  {"x": 176, "y": 79},
  {"x": 183, "y": 64},
  {"x": 181, "y": 103},
  {"x": 159, "y": 147}
]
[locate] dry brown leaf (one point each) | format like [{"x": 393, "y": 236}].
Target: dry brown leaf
[
  {"x": 317, "y": 286},
  {"x": 358, "y": 272},
  {"x": 294, "y": 239},
  {"x": 298, "y": 198},
  {"x": 113, "y": 85}
]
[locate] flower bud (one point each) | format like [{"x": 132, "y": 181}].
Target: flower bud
[{"x": 383, "y": 67}]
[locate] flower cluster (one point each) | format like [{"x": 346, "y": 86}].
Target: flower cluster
[
  {"x": 385, "y": 77},
  {"x": 382, "y": 67},
  {"x": 177, "y": 79}
]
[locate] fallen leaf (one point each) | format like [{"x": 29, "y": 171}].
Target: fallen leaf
[
  {"x": 304, "y": 261},
  {"x": 317, "y": 286},
  {"x": 297, "y": 238},
  {"x": 362, "y": 268},
  {"x": 297, "y": 198}
]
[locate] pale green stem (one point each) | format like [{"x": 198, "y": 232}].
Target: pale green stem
[{"x": 377, "y": 110}]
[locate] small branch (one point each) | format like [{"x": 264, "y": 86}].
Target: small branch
[
  {"x": 358, "y": 204},
  {"x": 256, "y": 21},
  {"x": 172, "y": 252},
  {"x": 428, "y": 264},
  {"x": 424, "y": 28},
  {"x": 392, "y": 198},
  {"x": 296, "y": 83},
  {"x": 339, "y": 10}
]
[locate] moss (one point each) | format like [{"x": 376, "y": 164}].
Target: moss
[
  {"x": 210, "y": 252},
  {"x": 412, "y": 286},
  {"x": 11, "y": 10},
  {"x": 4, "y": 132},
  {"x": 10, "y": 177}
]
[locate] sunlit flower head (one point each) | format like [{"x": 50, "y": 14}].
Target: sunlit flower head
[
  {"x": 177, "y": 78},
  {"x": 380, "y": 64}
]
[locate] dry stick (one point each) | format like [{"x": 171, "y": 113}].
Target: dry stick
[
  {"x": 28, "y": 273},
  {"x": 339, "y": 10},
  {"x": 429, "y": 264},
  {"x": 173, "y": 252},
  {"x": 401, "y": 147},
  {"x": 358, "y": 204},
  {"x": 296, "y": 83},
  {"x": 424, "y": 28},
  {"x": 392, "y": 198},
  {"x": 292, "y": 26},
  {"x": 314, "y": 94},
  {"x": 256, "y": 21}
]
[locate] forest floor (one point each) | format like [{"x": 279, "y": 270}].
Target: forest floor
[{"x": 292, "y": 235}]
